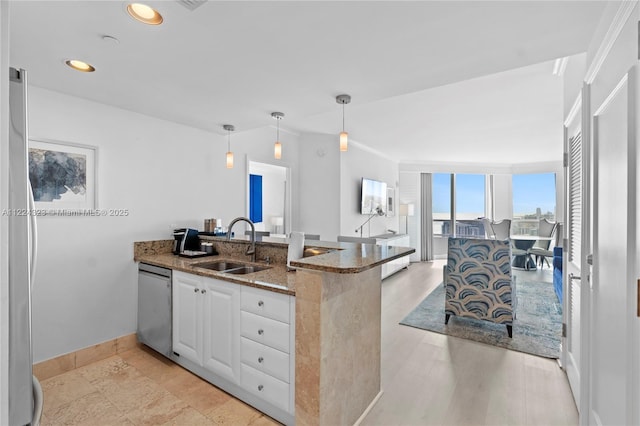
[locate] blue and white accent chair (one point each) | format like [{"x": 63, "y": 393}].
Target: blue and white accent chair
[{"x": 478, "y": 281}]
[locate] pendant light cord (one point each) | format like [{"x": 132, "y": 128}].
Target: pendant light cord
[
  {"x": 228, "y": 140},
  {"x": 343, "y": 117}
]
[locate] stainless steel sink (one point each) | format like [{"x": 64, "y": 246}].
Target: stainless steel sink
[
  {"x": 246, "y": 270},
  {"x": 230, "y": 267},
  {"x": 219, "y": 265}
]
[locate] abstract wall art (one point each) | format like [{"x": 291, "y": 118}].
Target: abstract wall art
[{"x": 62, "y": 175}]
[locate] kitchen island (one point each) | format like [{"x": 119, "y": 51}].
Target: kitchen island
[{"x": 334, "y": 325}]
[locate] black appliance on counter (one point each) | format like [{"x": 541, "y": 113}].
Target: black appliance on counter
[{"x": 185, "y": 239}]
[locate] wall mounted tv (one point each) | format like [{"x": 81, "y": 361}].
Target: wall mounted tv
[{"x": 373, "y": 196}]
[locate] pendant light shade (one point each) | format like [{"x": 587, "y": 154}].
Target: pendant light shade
[
  {"x": 229, "y": 128},
  {"x": 277, "y": 147},
  {"x": 344, "y": 141},
  {"x": 277, "y": 150},
  {"x": 344, "y": 136}
]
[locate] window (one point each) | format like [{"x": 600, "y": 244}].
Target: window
[
  {"x": 470, "y": 197},
  {"x": 470, "y": 205},
  {"x": 441, "y": 204},
  {"x": 534, "y": 198}
]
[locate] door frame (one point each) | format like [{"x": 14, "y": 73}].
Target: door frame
[
  {"x": 619, "y": 19},
  {"x": 288, "y": 219}
]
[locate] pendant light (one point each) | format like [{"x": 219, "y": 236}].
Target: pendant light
[
  {"x": 344, "y": 136},
  {"x": 277, "y": 148},
  {"x": 229, "y": 128}
]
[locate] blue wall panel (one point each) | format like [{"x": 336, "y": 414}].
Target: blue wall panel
[{"x": 255, "y": 198}]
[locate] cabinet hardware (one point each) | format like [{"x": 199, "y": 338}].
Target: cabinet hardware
[
  {"x": 260, "y": 387},
  {"x": 203, "y": 291},
  {"x": 195, "y": 290},
  {"x": 261, "y": 332},
  {"x": 260, "y": 359},
  {"x": 574, "y": 277},
  {"x": 260, "y": 303}
]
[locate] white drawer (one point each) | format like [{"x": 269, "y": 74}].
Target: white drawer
[
  {"x": 266, "y": 303},
  {"x": 265, "y": 387},
  {"x": 264, "y": 330},
  {"x": 266, "y": 359}
]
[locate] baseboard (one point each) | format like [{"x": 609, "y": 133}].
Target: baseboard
[
  {"x": 366, "y": 411},
  {"x": 64, "y": 363}
]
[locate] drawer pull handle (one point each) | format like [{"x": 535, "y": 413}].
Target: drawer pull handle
[
  {"x": 260, "y": 359},
  {"x": 261, "y": 332},
  {"x": 260, "y": 387},
  {"x": 195, "y": 290},
  {"x": 203, "y": 291},
  {"x": 260, "y": 303}
]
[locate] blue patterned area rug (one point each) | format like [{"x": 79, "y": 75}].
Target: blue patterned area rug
[{"x": 537, "y": 328}]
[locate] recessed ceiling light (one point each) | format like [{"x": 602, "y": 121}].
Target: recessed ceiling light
[
  {"x": 80, "y": 65},
  {"x": 145, "y": 14}
]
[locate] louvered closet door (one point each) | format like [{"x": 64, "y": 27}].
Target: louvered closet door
[{"x": 572, "y": 254}]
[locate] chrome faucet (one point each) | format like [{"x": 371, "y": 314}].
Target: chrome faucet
[{"x": 252, "y": 248}]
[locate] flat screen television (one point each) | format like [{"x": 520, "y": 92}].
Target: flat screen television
[{"x": 373, "y": 196}]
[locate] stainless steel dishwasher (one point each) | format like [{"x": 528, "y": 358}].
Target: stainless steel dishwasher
[{"x": 154, "y": 307}]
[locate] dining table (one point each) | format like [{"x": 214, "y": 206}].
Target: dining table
[{"x": 525, "y": 242}]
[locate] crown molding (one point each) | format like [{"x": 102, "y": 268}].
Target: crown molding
[
  {"x": 617, "y": 24},
  {"x": 575, "y": 109},
  {"x": 481, "y": 168}
]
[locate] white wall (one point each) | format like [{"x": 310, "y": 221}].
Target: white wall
[
  {"x": 319, "y": 195},
  {"x": 4, "y": 220},
  {"x": 354, "y": 165},
  {"x": 573, "y": 80},
  {"x": 164, "y": 173}
]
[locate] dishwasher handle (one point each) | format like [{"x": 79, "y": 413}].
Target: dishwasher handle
[{"x": 156, "y": 270}]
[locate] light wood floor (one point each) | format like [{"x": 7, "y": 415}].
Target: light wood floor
[
  {"x": 432, "y": 379},
  {"x": 427, "y": 378}
]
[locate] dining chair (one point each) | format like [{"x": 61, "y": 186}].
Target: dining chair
[
  {"x": 541, "y": 249},
  {"x": 501, "y": 229},
  {"x": 488, "y": 230}
]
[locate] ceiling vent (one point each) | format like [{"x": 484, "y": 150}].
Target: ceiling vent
[{"x": 192, "y": 4}]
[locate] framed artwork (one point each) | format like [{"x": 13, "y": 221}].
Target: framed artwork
[
  {"x": 391, "y": 202},
  {"x": 63, "y": 175}
]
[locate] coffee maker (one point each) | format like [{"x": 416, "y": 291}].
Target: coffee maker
[{"x": 185, "y": 239}]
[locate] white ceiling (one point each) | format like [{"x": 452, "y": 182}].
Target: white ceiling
[{"x": 427, "y": 78}]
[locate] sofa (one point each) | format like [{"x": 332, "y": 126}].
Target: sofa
[{"x": 557, "y": 272}]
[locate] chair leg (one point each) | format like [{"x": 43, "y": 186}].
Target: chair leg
[
  {"x": 446, "y": 318},
  {"x": 510, "y": 331}
]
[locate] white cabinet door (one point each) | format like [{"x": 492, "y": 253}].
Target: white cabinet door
[
  {"x": 187, "y": 323},
  {"x": 221, "y": 313}
]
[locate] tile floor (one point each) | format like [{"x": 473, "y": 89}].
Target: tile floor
[
  {"x": 427, "y": 378},
  {"x": 139, "y": 387}
]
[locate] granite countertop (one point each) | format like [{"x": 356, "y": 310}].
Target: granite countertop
[
  {"x": 358, "y": 258},
  {"x": 343, "y": 258},
  {"x": 276, "y": 278}
]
